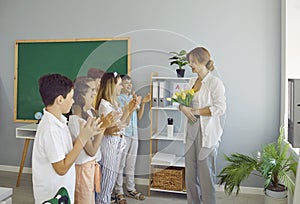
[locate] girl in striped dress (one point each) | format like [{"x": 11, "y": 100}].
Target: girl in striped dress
[{"x": 113, "y": 141}]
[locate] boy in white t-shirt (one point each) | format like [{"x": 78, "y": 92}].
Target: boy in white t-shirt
[{"x": 53, "y": 154}]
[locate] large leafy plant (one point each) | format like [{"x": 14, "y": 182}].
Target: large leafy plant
[
  {"x": 178, "y": 58},
  {"x": 274, "y": 164}
]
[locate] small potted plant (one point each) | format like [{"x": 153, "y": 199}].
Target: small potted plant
[
  {"x": 273, "y": 164},
  {"x": 179, "y": 58}
]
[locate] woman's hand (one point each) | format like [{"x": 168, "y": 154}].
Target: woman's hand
[{"x": 188, "y": 113}]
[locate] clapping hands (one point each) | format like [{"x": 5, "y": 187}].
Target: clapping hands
[
  {"x": 147, "y": 98},
  {"x": 132, "y": 105},
  {"x": 89, "y": 129},
  {"x": 108, "y": 120}
]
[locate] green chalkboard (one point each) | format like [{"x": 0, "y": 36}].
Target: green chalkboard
[{"x": 71, "y": 58}]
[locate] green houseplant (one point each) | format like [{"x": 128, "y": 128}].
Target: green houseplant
[
  {"x": 179, "y": 58},
  {"x": 273, "y": 164}
]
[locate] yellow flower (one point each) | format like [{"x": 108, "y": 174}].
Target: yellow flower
[{"x": 183, "y": 95}]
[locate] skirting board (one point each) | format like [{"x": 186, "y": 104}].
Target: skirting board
[
  {"x": 26, "y": 170},
  {"x": 143, "y": 181},
  {"x": 219, "y": 188}
]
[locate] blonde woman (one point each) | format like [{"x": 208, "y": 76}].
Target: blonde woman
[{"x": 204, "y": 134}]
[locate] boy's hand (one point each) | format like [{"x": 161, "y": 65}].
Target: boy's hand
[
  {"x": 139, "y": 99},
  {"x": 133, "y": 104},
  {"x": 147, "y": 98},
  {"x": 108, "y": 120}
]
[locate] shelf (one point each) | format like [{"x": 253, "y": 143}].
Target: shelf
[
  {"x": 26, "y": 131},
  {"x": 167, "y": 191},
  {"x": 179, "y": 162},
  {"x": 176, "y": 137},
  {"x": 165, "y": 108},
  {"x": 171, "y": 78}
]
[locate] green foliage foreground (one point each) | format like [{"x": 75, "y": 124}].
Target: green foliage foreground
[{"x": 274, "y": 164}]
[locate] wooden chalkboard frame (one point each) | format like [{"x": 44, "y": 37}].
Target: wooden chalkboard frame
[{"x": 125, "y": 69}]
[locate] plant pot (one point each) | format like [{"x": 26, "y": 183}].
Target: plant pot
[
  {"x": 270, "y": 200},
  {"x": 180, "y": 72},
  {"x": 275, "y": 197},
  {"x": 276, "y": 194}
]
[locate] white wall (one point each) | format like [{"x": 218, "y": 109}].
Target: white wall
[
  {"x": 243, "y": 37},
  {"x": 291, "y": 62},
  {"x": 292, "y": 38}
]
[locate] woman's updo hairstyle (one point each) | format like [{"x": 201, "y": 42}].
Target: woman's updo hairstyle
[{"x": 202, "y": 56}]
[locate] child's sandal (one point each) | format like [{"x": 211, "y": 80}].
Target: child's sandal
[
  {"x": 136, "y": 195},
  {"x": 121, "y": 199}
]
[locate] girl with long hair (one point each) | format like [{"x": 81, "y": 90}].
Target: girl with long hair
[
  {"x": 113, "y": 141},
  {"x": 87, "y": 169}
]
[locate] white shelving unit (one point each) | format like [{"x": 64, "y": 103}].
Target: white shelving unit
[
  {"x": 6, "y": 195},
  {"x": 158, "y": 134}
]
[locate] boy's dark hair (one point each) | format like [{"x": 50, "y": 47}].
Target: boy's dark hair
[
  {"x": 125, "y": 77},
  {"x": 53, "y": 85}
]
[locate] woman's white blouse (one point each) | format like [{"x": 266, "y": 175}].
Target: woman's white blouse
[{"x": 212, "y": 95}]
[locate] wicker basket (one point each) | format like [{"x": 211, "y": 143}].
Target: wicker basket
[{"x": 171, "y": 178}]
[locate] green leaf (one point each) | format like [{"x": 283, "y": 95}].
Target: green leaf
[
  {"x": 174, "y": 58},
  {"x": 239, "y": 168},
  {"x": 182, "y": 52},
  {"x": 174, "y": 62},
  {"x": 275, "y": 164}
]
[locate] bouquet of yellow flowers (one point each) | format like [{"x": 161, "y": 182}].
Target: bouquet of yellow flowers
[{"x": 183, "y": 97}]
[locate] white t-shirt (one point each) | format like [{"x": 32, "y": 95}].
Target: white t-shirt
[
  {"x": 52, "y": 143},
  {"x": 74, "y": 128},
  {"x": 106, "y": 107}
]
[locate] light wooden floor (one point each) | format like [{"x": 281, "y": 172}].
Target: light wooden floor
[{"x": 24, "y": 195}]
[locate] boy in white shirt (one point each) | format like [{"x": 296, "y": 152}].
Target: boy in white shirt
[{"x": 53, "y": 154}]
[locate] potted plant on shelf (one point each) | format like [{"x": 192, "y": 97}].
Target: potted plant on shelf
[
  {"x": 179, "y": 58},
  {"x": 274, "y": 164}
]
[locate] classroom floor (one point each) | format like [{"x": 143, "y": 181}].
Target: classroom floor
[{"x": 24, "y": 195}]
